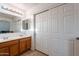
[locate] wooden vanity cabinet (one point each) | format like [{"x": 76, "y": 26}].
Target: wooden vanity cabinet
[
  {"x": 9, "y": 48},
  {"x": 23, "y": 45},
  {"x": 15, "y": 47}
]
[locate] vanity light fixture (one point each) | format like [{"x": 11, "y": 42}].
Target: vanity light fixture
[{"x": 11, "y": 10}]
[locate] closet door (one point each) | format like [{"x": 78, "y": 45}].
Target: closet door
[
  {"x": 76, "y": 18},
  {"x": 76, "y": 29},
  {"x": 60, "y": 43},
  {"x": 38, "y": 30},
  {"x": 54, "y": 31},
  {"x": 42, "y": 28},
  {"x": 76, "y": 47},
  {"x": 61, "y": 47},
  {"x": 69, "y": 18}
]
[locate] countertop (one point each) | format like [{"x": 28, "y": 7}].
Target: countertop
[{"x": 13, "y": 38}]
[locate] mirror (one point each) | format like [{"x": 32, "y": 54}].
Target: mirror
[
  {"x": 26, "y": 24},
  {"x": 5, "y": 26}
]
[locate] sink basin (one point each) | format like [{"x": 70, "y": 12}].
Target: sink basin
[{"x": 4, "y": 38}]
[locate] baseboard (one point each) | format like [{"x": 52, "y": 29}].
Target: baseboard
[{"x": 41, "y": 52}]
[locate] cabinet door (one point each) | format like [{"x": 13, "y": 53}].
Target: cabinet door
[
  {"x": 22, "y": 45},
  {"x": 4, "y": 51},
  {"x": 28, "y": 43},
  {"x": 14, "y": 50}
]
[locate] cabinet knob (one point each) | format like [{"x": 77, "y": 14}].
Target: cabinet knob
[{"x": 77, "y": 38}]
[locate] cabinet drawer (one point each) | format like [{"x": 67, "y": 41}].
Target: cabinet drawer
[
  {"x": 4, "y": 51},
  {"x": 8, "y": 43},
  {"x": 12, "y": 42}
]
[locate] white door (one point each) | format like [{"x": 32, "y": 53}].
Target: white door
[
  {"x": 76, "y": 47},
  {"x": 42, "y": 30},
  {"x": 61, "y": 47},
  {"x": 54, "y": 31}
]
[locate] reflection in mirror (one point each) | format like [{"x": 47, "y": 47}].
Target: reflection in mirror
[
  {"x": 4, "y": 26},
  {"x": 26, "y": 24}
]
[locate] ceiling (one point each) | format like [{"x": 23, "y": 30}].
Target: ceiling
[
  {"x": 34, "y": 7},
  {"x": 25, "y": 6}
]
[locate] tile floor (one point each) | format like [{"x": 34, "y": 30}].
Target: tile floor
[{"x": 33, "y": 53}]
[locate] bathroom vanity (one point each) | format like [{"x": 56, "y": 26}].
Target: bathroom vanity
[{"x": 15, "y": 46}]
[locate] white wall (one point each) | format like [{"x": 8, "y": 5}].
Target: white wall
[{"x": 31, "y": 30}]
